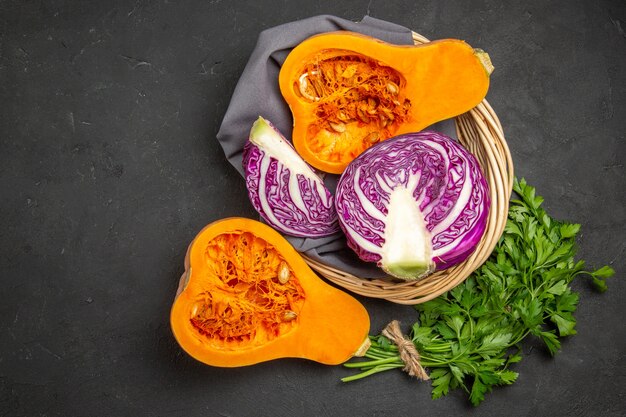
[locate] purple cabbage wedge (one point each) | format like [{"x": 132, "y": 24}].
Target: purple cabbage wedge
[
  {"x": 414, "y": 204},
  {"x": 286, "y": 191}
]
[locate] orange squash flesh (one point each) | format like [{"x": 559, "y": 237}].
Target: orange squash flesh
[
  {"x": 348, "y": 91},
  {"x": 247, "y": 297}
]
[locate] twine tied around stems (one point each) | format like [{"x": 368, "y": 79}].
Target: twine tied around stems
[{"x": 409, "y": 355}]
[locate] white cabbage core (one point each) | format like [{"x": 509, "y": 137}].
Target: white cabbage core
[
  {"x": 275, "y": 146},
  {"x": 407, "y": 251}
]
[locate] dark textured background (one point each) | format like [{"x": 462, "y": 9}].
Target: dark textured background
[{"x": 109, "y": 166}]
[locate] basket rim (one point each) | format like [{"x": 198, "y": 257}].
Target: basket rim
[{"x": 479, "y": 130}]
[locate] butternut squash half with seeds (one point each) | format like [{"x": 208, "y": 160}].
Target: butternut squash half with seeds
[
  {"x": 247, "y": 297},
  {"x": 348, "y": 91}
]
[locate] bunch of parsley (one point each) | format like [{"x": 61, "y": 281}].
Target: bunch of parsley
[{"x": 469, "y": 337}]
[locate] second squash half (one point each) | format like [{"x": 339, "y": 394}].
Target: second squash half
[{"x": 348, "y": 91}]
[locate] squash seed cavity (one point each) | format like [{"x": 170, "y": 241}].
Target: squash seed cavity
[
  {"x": 249, "y": 295},
  {"x": 357, "y": 102}
]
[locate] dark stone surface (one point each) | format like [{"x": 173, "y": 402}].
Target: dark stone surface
[{"x": 109, "y": 166}]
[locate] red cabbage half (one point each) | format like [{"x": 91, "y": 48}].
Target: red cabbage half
[
  {"x": 414, "y": 204},
  {"x": 286, "y": 191}
]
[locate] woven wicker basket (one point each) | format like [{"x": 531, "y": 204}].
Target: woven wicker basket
[{"x": 479, "y": 130}]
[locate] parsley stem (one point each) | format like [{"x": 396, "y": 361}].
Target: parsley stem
[
  {"x": 370, "y": 364},
  {"x": 437, "y": 349},
  {"x": 379, "y": 355},
  {"x": 381, "y": 352},
  {"x": 380, "y": 368},
  {"x": 520, "y": 338}
]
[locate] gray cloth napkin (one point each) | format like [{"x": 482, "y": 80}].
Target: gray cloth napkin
[{"x": 257, "y": 94}]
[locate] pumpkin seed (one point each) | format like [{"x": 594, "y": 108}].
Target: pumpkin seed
[
  {"x": 388, "y": 114},
  {"x": 349, "y": 72},
  {"x": 337, "y": 127},
  {"x": 303, "y": 86},
  {"x": 289, "y": 315},
  {"x": 362, "y": 116},
  {"x": 392, "y": 87},
  {"x": 194, "y": 309},
  {"x": 342, "y": 116},
  {"x": 283, "y": 273},
  {"x": 372, "y": 137}
]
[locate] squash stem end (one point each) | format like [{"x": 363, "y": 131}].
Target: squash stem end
[{"x": 485, "y": 60}]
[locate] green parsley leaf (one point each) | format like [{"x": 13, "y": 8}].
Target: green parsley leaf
[
  {"x": 604, "y": 272},
  {"x": 569, "y": 230},
  {"x": 478, "y": 391},
  {"x": 493, "y": 343},
  {"x": 568, "y": 301},
  {"x": 445, "y": 331},
  {"x": 558, "y": 288},
  {"x": 551, "y": 341},
  {"x": 440, "y": 383},
  {"x": 600, "y": 276},
  {"x": 565, "y": 323},
  {"x": 507, "y": 377}
]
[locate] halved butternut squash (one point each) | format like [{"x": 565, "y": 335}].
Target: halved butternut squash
[
  {"x": 348, "y": 91},
  {"x": 247, "y": 296}
]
